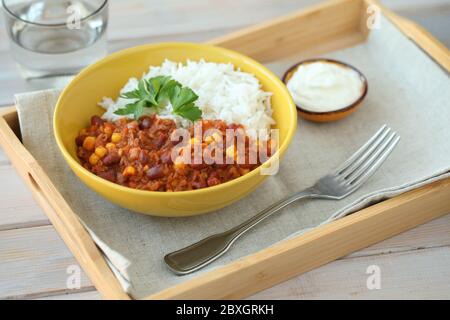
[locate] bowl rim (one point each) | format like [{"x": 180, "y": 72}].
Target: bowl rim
[
  {"x": 291, "y": 70},
  {"x": 123, "y": 53}
]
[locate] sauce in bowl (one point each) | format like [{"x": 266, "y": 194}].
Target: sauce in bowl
[
  {"x": 325, "y": 86},
  {"x": 139, "y": 154},
  {"x": 325, "y": 90}
]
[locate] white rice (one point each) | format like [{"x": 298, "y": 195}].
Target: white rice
[{"x": 224, "y": 94}]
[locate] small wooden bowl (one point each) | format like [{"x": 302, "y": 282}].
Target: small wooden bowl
[{"x": 332, "y": 115}]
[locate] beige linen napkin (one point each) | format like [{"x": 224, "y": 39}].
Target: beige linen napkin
[{"x": 409, "y": 92}]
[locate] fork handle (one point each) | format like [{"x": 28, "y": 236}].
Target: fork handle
[{"x": 202, "y": 253}]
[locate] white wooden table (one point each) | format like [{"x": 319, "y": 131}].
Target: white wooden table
[{"x": 34, "y": 260}]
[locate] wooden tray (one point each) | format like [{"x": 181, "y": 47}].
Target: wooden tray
[{"x": 330, "y": 26}]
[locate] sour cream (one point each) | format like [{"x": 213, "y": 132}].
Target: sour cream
[{"x": 325, "y": 86}]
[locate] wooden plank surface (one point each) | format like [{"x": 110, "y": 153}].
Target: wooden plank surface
[
  {"x": 18, "y": 209},
  {"x": 398, "y": 281},
  {"x": 35, "y": 263},
  {"x": 40, "y": 260},
  {"x": 35, "y": 260}
]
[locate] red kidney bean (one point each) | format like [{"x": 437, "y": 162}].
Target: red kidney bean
[
  {"x": 143, "y": 157},
  {"x": 111, "y": 158},
  {"x": 145, "y": 122},
  {"x": 159, "y": 142},
  {"x": 155, "y": 172},
  {"x": 97, "y": 121},
  {"x": 84, "y": 154},
  {"x": 108, "y": 175},
  {"x": 166, "y": 158},
  {"x": 212, "y": 181},
  {"x": 79, "y": 140},
  {"x": 198, "y": 184}
]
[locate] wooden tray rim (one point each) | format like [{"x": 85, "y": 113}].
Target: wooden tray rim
[{"x": 435, "y": 198}]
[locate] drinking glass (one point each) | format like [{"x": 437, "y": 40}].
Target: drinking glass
[{"x": 55, "y": 38}]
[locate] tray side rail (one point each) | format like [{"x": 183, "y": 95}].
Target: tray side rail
[
  {"x": 266, "y": 42},
  {"x": 62, "y": 217}
]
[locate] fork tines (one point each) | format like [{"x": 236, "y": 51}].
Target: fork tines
[{"x": 369, "y": 157}]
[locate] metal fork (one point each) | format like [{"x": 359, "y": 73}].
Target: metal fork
[{"x": 335, "y": 186}]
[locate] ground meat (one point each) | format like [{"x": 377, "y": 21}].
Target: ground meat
[{"x": 139, "y": 154}]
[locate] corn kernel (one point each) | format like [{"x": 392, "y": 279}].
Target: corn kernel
[
  {"x": 194, "y": 141},
  {"x": 217, "y": 136},
  {"x": 129, "y": 171},
  {"x": 116, "y": 137},
  {"x": 179, "y": 163},
  {"x": 230, "y": 152},
  {"x": 110, "y": 146},
  {"x": 93, "y": 159},
  {"x": 100, "y": 151},
  {"x": 89, "y": 143},
  {"x": 209, "y": 139}
]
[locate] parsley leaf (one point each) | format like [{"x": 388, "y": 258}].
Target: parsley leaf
[
  {"x": 143, "y": 99},
  {"x": 128, "y": 109},
  {"x": 131, "y": 95},
  {"x": 154, "y": 85},
  {"x": 166, "y": 91},
  {"x": 156, "y": 93},
  {"x": 138, "y": 109},
  {"x": 182, "y": 96},
  {"x": 188, "y": 111},
  {"x": 182, "y": 101}
]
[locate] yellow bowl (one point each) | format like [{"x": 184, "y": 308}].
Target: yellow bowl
[{"x": 78, "y": 102}]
